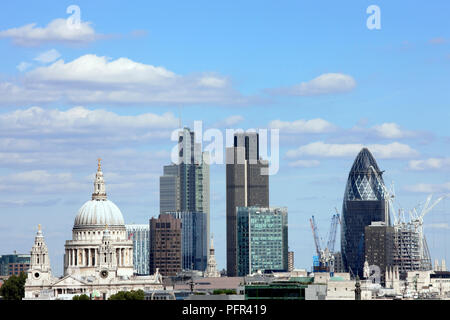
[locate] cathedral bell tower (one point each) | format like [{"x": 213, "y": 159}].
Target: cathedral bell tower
[
  {"x": 107, "y": 255},
  {"x": 40, "y": 270}
]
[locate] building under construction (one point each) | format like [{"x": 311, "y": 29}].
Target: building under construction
[
  {"x": 410, "y": 252},
  {"x": 407, "y": 250}
]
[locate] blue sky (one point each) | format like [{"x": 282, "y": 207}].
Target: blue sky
[{"x": 117, "y": 87}]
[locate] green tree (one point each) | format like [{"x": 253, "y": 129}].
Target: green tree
[
  {"x": 128, "y": 295},
  {"x": 81, "y": 297},
  {"x": 14, "y": 287},
  {"x": 224, "y": 291}
]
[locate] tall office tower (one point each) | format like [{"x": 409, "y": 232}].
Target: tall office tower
[
  {"x": 169, "y": 189},
  {"x": 184, "y": 187},
  {"x": 193, "y": 239},
  {"x": 379, "y": 246},
  {"x": 165, "y": 245},
  {"x": 364, "y": 202},
  {"x": 262, "y": 240},
  {"x": 140, "y": 235},
  {"x": 246, "y": 187}
]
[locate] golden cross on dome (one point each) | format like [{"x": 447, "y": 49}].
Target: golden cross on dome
[
  {"x": 39, "y": 227},
  {"x": 99, "y": 164}
]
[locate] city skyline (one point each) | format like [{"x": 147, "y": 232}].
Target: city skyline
[{"x": 316, "y": 73}]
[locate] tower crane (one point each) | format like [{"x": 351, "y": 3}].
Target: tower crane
[
  {"x": 416, "y": 219},
  {"x": 326, "y": 257},
  {"x": 315, "y": 235}
]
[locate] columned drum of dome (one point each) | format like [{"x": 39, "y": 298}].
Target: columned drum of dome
[{"x": 364, "y": 202}]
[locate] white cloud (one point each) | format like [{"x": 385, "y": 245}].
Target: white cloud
[
  {"x": 229, "y": 121},
  {"x": 12, "y": 94},
  {"x": 100, "y": 124},
  {"x": 328, "y": 83},
  {"x": 23, "y": 66},
  {"x": 91, "y": 69},
  {"x": 58, "y": 30},
  {"x": 214, "y": 82},
  {"x": 325, "y": 150},
  {"x": 48, "y": 56},
  {"x": 391, "y": 130},
  {"x": 63, "y": 172},
  {"x": 94, "y": 79},
  {"x": 303, "y": 126},
  {"x": 429, "y": 188},
  {"x": 38, "y": 181},
  {"x": 304, "y": 163},
  {"x": 431, "y": 163},
  {"x": 388, "y": 130},
  {"x": 36, "y": 176}
]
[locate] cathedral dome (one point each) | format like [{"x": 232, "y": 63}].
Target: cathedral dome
[{"x": 99, "y": 213}]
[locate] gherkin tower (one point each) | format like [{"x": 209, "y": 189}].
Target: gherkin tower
[{"x": 364, "y": 202}]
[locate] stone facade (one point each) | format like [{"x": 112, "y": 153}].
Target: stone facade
[{"x": 98, "y": 261}]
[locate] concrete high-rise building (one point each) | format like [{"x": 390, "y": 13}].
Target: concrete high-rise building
[
  {"x": 262, "y": 239},
  {"x": 364, "y": 202},
  {"x": 165, "y": 245},
  {"x": 184, "y": 187},
  {"x": 379, "y": 246},
  {"x": 140, "y": 235},
  {"x": 246, "y": 187},
  {"x": 193, "y": 239}
]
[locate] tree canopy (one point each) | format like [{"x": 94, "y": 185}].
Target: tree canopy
[
  {"x": 14, "y": 287},
  {"x": 128, "y": 295}
]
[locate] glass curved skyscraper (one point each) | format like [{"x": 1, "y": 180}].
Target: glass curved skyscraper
[{"x": 364, "y": 202}]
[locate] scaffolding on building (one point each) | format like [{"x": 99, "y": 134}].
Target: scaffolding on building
[{"x": 411, "y": 251}]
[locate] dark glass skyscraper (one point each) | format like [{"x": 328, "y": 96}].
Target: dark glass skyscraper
[
  {"x": 364, "y": 202},
  {"x": 246, "y": 187}
]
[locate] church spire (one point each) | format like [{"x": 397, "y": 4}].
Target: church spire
[
  {"x": 211, "y": 268},
  {"x": 99, "y": 184}
]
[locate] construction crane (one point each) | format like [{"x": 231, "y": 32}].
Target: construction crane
[
  {"x": 419, "y": 257},
  {"x": 416, "y": 219},
  {"x": 325, "y": 256},
  {"x": 315, "y": 232},
  {"x": 332, "y": 236}
]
